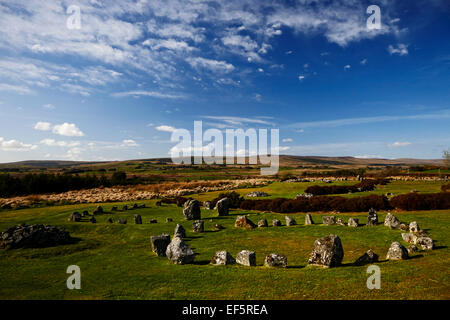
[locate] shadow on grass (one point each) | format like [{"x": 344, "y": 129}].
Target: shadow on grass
[{"x": 439, "y": 247}]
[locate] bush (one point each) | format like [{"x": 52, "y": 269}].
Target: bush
[
  {"x": 234, "y": 198},
  {"x": 445, "y": 188},
  {"x": 365, "y": 185},
  {"x": 426, "y": 201}
]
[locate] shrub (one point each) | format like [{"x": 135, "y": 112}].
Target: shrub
[
  {"x": 426, "y": 201},
  {"x": 365, "y": 185},
  {"x": 445, "y": 188}
]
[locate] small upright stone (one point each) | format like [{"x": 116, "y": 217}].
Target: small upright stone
[
  {"x": 425, "y": 242},
  {"x": 327, "y": 252},
  {"x": 75, "y": 217},
  {"x": 409, "y": 237},
  {"x": 340, "y": 222},
  {"x": 275, "y": 260},
  {"x": 135, "y": 206},
  {"x": 276, "y": 223},
  {"x": 179, "y": 252},
  {"x": 290, "y": 221},
  {"x": 122, "y": 221},
  {"x": 137, "y": 219},
  {"x": 191, "y": 210},
  {"x": 169, "y": 220},
  {"x": 207, "y": 205},
  {"x": 92, "y": 220},
  {"x": 353, "y": 222},
  {"x": 223, "y": 207},
  {"x": 85, "y": 213},
  {"x": 244, "y": 222},
  {"x": 329, "y": 220},
  {"x": 391, "y": 221},
  {"x": 308, "y": 219},
  {"x": 372, "y": 219},
  {"x": 412, "y": 249},
  {"x": 246, "y": 258},
  {"x": 115, "y": 208},
  {"x": 366, "y": 258},
  {"x": 414, "y": 227},
  {"x": 142, "y": 206},
  {"x": 109, "y": 220},
  {"x": 262, "y": 223},
  {"x": 218, "y": 227},
  {"x": 198, "y": 226},
  {"x": 397, "y": 252},
  {"x": 124, "y": 207},
  {"x": 98, "y": 210},
  {"x": 153, "y": 221},
  {"x": 222, "y": 258},
  {"x": 159, "y": 244},
  {"x": 158, "y": 203},
  {"x": 180, "y": 231}
]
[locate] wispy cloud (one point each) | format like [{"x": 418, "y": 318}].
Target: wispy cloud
[{"x": 153, "y": 94}]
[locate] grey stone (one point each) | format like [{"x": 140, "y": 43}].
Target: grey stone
[
  {"x": 329, "y": 220},
  {"x": 275, "y": 260},
  {"x": 366, "y": 258},
  {"x": 290, "y": 221},
  {"x": 135, "y": 206},
  {"x": 218, "y": 227},
  {"x": 180, "y": 231},
  {"x": 308, "y": 220},
  {"x": 276, "y": 223},
  {"x": 412, "y": 249},
  {"x": 169, "y": 220},
  {"x": 353, "y": 222},
  {"x": 222, "y": 258},
  {"x": 262, "y": 223},
  {"x": 75, "y": 217},
  {"x": 137, "y": 219},
  {"x": 93, "y": 220},
  {"x": 153, "y": 221},
  {"x": 409, "y": 237},
  {"x": 372, "y": 219},
  {"x": 85, "y": 213},
  {"x": 122, "y": 221},
  {"x": 244, "y": 222},
  {"x": 98, "y": 210},
  {"x": 257, "y": 194},
  {"x": 158, "y": 203},
  {"x": 340, "y": 222},
  {"x": 208, "y": 205},
  {"x": 179, "y": 252},
  {"x": 397, "y": 252},
  {"x": 198, "y": 226},
  {"x": 246, "y": 258},
  {"x": 159, "y": 244},
  {"x": 109, "y": 220},
  {"x": 124, "y": 207},
  {"x": 223, "y": 207},
  {"x": 327, "y": 252},
  {"x": 191, "y": 210},
  {"x": 115, "y": 208},
  {"x": 414, "y": 227},
  {"x": 425, "y": 242},
  {"x": 391, "y": 221}
]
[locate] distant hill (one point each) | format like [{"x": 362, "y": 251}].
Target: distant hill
[{"x": 285, "y": 161}]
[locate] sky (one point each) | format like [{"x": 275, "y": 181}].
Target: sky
[{"x": 135, "y": 70}]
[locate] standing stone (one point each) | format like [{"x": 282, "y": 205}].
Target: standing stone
[
  {"x": 125, "y": 207},
  {"x": 397, "y": 252},
  {"x": 327, "y": 252},
  {"x": 142, "y": 206},
  {"x": 290, "y": 221},
  {"x": 262, "y": 223},
  {"x": 218, "y": 227},
  {"x": 179, "y": 252},
  {"x": 366, "y": 258},
  {"x": 75, "y": 217},
  {"x": 353, "y": 222},
  {"x": 372, "y": 219},
  {"x": 169, "y": 220},
  {"x": 135, "y": 206},
  {"x": 223, "y": 207},
  {"x": 275, "y": 260},
  {"x": 191, "y": 210},
  {"x": 425, "y": 242},
  {"x": 207, "y": 205},
  {"x": 340, "y": 222},
  {"x": 403, "y": 227},
  {"x": 198, "y": 226},
  {"x": 414, "y": 227},
  {"x": 391, "y": 221},
  {"x": 93, "y": 220},
  {"x": 122, "y": 221},
  {"x": 276, "y": 223},
  {"x": 153, "y": 221},
  {"x": 222, "y": 258},
  {"x": 329, "y": 220},
  {"x": 85, "y": 213},
  {"x": 308, "y": 219},
  {"x": 98, "y": 210},
  {"x": 412, "y": 249},
  {"x": 246, "y": 258},
  {"x": 409, "y": 237},
  {"x": 115, "y": 208},
  {"x": 159, "y": 244},
  {"x": 244, "y": 222},
  {"x": 158, "y": 203},
  {"x": 109, "y": 220},
  {"x": 137, "y": 219},
  {"x": 180, "y": 231}
]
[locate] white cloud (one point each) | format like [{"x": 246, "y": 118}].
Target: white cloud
[
  {"x": 210, "y": 65},
  {"x": 401, "y": 49},
  {"x": 68, "y": 129},
  {"x": 54, "y": 143},
  {"x": 363, "y": 61},
  {"x": 15, "y": 89},
  {"x": 49, "y": 106},
  {"x": 129, "y": 143},
  {"x": 346, "y": 67},
  {"x": 238, "y": 120},
  {"x": 42, "y": 126},
  {"x": 165, "y": 128},
  {"x": 301, "y": 77},
  {"x": 14, "y": 145},
  {"x": 153, "y": 94},
  {"x": 170, "y": 44},
  {"x": 399, "y": 144},
  {"x": 287, "y": 140}
]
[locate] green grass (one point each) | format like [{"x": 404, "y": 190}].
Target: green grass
[{"x": 116, "y": 260}]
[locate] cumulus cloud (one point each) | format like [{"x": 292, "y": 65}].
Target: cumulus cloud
[
  {"x": 401, "y": 49},
  {"x": 43, "y": 126},
  {"x": 67, "y": 129},
  {"x": 54, "y": 143},
  {"x": 210, "y": 65},
  {"x": 129, "y": 143},
  {"x": 14, "y": 145},
  {"x": 287, "y": 140},
  {"x": 166, "y": 128}
]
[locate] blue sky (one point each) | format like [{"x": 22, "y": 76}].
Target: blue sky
[{"x": 115, "y": 88}]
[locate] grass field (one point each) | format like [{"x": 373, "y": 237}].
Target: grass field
[{"x": 116, "y": 260}]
